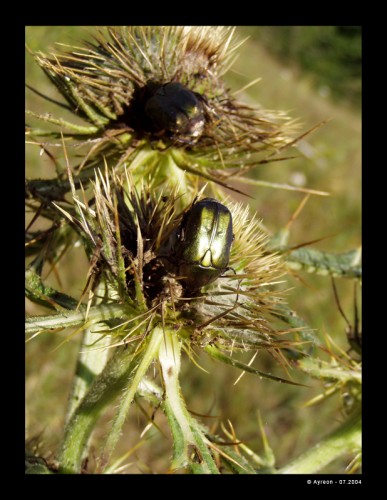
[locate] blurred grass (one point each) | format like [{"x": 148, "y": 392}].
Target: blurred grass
[
  {"x": 329, "y": 55},
  {"x": 331, "y": 162}
]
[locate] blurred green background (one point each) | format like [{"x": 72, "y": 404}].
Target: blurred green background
[{"x": 313, "y": 73}]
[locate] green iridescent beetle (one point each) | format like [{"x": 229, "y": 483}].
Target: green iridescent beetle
[{"x": 204, "y": 239}]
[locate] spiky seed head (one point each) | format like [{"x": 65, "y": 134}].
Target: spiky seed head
[
  {"x": 133, "y": 229},
  {"x": 119, "y": 60},
  {"x": 110, "y": 80}
]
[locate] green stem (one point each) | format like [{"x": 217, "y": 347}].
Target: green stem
[
  {"x": 80, "y": 129},
  {"x": 74, "y": 318},
  {"x": 186, "y": 432},
  {"x": 169, "y": 357},
  {"x": 345, "y": 439},
  {"x": 320, "y": 369},
  {"x": 90, "y": 363},
  {"x": 276, "y": 185},
  {"x": 127, "y": 398},
  {"x": 344, "y": 265},
  {"x": 38, "y": 292},
  {"x": 237, "y": 463},
  {"x": 115, "y": 377}
]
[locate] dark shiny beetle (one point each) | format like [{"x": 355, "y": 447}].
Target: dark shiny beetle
[
  {"x": 175, "y": 111},
  {"x": 204, "y": 243}
]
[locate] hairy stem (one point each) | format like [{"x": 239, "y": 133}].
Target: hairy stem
[
  {"x": 92, "y": 356},
  {"x": 126, "y": 400},
  {"x": 118, "y": 373},
  {"x": 89, "y": 364},
  {"x": 345, "y": 439},
  {"x": 67, "y": 319},
  {"x": 190, "y": 444}
]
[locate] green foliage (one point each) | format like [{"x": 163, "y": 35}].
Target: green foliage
[{"x": 332, "y": 55}]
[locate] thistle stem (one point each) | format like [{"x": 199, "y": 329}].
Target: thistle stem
[
  {"x": 79, "y": 129},
  {"x": 169, "y": 357},
  {"x": 126, "y": 400},
  {"x": 90, "y": 362},
  {"x": 323, "y": 370},
  {"x": 188, "y": 437},
  {"x": 345, "y": 439},
  {"x": 118, "y": 373},
  {"x": 74, "y": 318}
]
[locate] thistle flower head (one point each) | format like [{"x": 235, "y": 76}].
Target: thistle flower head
[
  {"x": 133, "y": 233},
  {"x": 156, "y": 94},
  {"x": 108, "y": 70}
]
